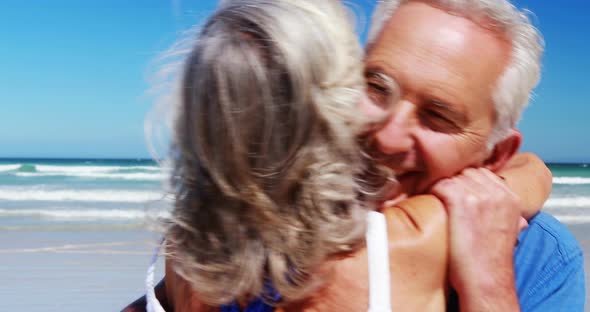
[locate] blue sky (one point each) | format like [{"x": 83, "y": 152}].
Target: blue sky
[{"x": 74, "y": 75}]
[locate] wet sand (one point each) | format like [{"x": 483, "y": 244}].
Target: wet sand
[
  {"x": 582, "y": 233},
  {"x": 65, "y": 270},
  {"x": 94, "y": 270}
]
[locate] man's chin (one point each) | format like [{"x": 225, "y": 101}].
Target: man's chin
[
  {"x": 409, "y": 184},
  {"x": 393, "y": 201}
]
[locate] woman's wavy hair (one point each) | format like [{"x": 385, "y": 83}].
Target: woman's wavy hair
[{"x": 265, "y": 155}]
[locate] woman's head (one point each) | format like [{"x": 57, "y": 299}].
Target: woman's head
[{"x": 264, "y": 149}]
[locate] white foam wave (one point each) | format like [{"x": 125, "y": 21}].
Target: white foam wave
[
  {"x": 109, "y": 248},
  {"x": 9, "y": 167},
  {"x": 79, "y": 195},
  {"x": 571, "y": 180},
  {"x": 137, "y": 176},
  {"x": 573, "y": 202},
  {"x": 90, "y": 169},
  {"x": 147, "y": 168},
  {"x": 573, "y": 219},
  {"x": 93, "y": 214}
]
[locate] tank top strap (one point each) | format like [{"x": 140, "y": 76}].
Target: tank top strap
[
  {"x": 378, "y": 260},
  {"x": 152, "y": 303}
]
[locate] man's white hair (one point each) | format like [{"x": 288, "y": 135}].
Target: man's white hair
[{"x": 522, "y": 74}]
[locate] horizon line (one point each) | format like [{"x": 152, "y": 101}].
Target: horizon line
[{"x": 156, "y": 160}]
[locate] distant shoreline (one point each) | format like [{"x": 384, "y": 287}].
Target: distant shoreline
[
  {"x": 109, "y": 159},
  {"x": 567, "y": 163},
  {"x": 73, "y": 159}
]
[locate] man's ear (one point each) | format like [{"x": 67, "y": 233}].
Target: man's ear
[{"x": 504, "y": 150}]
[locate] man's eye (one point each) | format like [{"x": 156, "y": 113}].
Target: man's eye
[
  {"x": 379, "y": 94},
  {"x": 381, "y": 89},
  {"x": 437, "y": 116},
  {"x": 437, "y": 121},
  {"x": 374, "y": 86}
]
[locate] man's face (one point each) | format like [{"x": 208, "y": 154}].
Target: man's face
[{"x": 446, "y": 68}]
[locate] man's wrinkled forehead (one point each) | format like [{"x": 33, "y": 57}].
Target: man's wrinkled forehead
[{"x": 433, "y": 52}]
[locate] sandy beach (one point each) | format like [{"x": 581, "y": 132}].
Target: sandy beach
[
  {"x": 73, "y": 270},
  {"x": 582, "y": 233},
  {"x": 91, "y": 269}
]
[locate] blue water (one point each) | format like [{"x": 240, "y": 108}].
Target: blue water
[
  {"x": 570, "y": 198},
  {"x": 49, "y": 192},
  {"x": 56, "y": 193}
]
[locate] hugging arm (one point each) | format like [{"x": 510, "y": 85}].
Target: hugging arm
[
  {"x": 528, "y": 177},
  {"x": 419, "y": 239}
]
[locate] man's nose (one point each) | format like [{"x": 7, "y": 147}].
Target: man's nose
[{"x": 395, "y": 135}]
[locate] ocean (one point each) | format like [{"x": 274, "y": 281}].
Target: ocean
[
  {"x": 67, "y": 193},
  {"x": 75, "y": 234},
  {"x": 570, "y": 199},
  {"x": 57, "y": 193}
]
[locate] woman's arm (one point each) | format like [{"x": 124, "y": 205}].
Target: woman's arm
[
  {"x": 528, "y": 177},
  {"x": 418, "y": 240}
]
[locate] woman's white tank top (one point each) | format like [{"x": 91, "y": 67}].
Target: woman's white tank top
[{"x": 377, "y": 253}]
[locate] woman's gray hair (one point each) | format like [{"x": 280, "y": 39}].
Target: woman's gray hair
[
  {"x": 264, "y": 154},
  {"x": 514, "y": 88}
]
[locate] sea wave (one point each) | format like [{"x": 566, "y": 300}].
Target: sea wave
[
  {"x": 79, "y": 195},
  {"x": 573, "y": 202},
  {"x": 86, "y": 215},
  {"x": 573, "y": 219},
  {"x": 9, "y": 167},
  {"x": 91, "y": 169},
  {"x": 571, "y": 180},
  {"x": 136, "y": 176}
]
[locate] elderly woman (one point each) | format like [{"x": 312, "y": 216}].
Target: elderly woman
[{"x": 274, "y": 201}]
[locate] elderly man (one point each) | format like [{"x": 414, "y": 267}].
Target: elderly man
[{"x": 465, "y": 70}]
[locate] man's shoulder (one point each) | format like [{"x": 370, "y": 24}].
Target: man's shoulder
[
  {"x": 549, "y": 267},
  {"x": 545, "y": 234}
]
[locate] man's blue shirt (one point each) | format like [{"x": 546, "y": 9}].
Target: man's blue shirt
[{"x": 549, "y": 267}]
